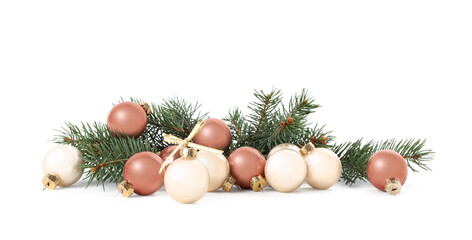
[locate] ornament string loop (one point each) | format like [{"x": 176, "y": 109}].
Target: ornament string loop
[{"x": 186, "y": 142}]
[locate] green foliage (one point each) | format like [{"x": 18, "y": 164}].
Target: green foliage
[
  {"x": 355, "y": 155},
  {"x": 268, "y": 124},
  {"x": 271, "y": 123},
  {"x": 105, "y": 154},
  {"x": 172, "y": 116}
]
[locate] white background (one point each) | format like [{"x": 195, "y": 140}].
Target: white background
[{"x": 380, "y": 69}]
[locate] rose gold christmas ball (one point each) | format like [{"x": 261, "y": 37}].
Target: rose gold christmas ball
[
  {"x": 167, "y": 151},
  {"x": 127, "y": 118},
  {"x": 142, "y": 172},
  {"x": 384, "y": 165},
  {"x": 246, "y": 163},
  {"x": 215, "y": 134}
]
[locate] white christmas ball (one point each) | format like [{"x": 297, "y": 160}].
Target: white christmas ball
[
  {"x": 324, "y": 168},
  {"x": 217, "y": 166},
  {"x": 63, "y": 160},
  {"x": 283, "y": 146},
  {"x": 186, "y": 180},
  {"x": 285, "y": 170}
]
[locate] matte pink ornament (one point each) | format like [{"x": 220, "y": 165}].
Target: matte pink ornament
[{"x": 127, "y": 118}]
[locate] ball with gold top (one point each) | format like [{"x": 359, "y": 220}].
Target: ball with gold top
[
  {"x": 128, "y": 118},
  {"x": 186, "y": 179},
  {"x": 247, "y": 168},
  {"x": 285, "y": 169},
  {"x": 61, "y": 166},
  {"x": 324, "y": 166},
  {"x": 141, "y": 174}
]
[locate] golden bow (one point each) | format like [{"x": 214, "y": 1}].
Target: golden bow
[{"x": 186, "y": 142}]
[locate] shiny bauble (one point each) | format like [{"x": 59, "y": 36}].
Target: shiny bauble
[
  {"x": 217, "y": 166},
  {"x": 283, "y": 146},
  {"x": 215, "y": 134},
  {"x": 141, "y": 171},
  {"x": 324, "y": 167},
  {"x": 62, "y": 161},
  {"x": 186, "y": 179},
  {"x": 387, "y": 170},
  {"x": 127, "y": 118},
  {"x": 167, "y": 151},
  {"x": 285, "y": 169},
  {"x": 245, "y": 163}
]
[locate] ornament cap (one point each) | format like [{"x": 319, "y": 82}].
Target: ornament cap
[
  {"x": 189, "y": 152},
  {"x": 257, "y": 183},
  {"x": 125, "y": 188},
  {"x": 307, "y": 149},
  {"x": 229, "y": 183},
  {"x": 51, "y": 180},
  {"x": 146, "y": 108},
  {"x": 393, "y": 186}
]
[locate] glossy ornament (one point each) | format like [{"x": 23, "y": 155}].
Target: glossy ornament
[
  {"x": 324, "y": 166},
  {"x": 285, "y": 169},
  {"x": 141, "y": 174},
  {"x": 217, "y": 166},
  {"x": 247, "y": 167},
  {"x": 186, "y": 179},
  {"x": 214, "y": 134},
  {"x": 167, "y": 151},
  {"x": 60, "y": 166},
  {"x": 387, "y": 170},
  {"x": 283, "y": 146},
  {"x": 127, "y": 118}
]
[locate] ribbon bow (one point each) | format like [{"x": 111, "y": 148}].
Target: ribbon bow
[{"x": 186, "y": 142}]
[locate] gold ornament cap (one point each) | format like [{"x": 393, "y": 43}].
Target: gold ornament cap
[
  {"x": 146, "y": 108},
  {"x": 229, "y": 183},
  {"x": 51, "y": 180},
  {"x": 189, "y": 152},
  {"x": 257, "y": 183},
  {"x": 307, "y": 149},
  {"x": 393, "y": 186},
  {"x": 125, "y": 188}
]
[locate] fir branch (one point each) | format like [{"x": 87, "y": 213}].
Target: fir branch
[
  {"x": 103, "y": 152},
  {"x": 355, "y": 155},
  {"x": 172, "y": 116},
  {"x": 270, "y": 123},
  {"x": 263, "y": 108}
]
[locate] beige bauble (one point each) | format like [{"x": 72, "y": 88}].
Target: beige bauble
[
  {"x": 324, "y": 168},
  {"x": 63, "y": 160},
  {"x": 186, "y": 180},
  {"x": 285, "y": 169},
  {"x": 283, "y": 146},
  {"x": 217, "y": 166}
]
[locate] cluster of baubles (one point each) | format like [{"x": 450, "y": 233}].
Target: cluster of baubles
[{"x": 190, "y": 170}]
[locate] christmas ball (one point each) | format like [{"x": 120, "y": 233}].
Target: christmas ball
[
  {"x": 387, "y": 170},
  {"x": 127, "y": 118},
  {"x": 60, "y": 165},
  {"x": 215, "y": 134},
  {"x": 324, "y": 166},
  {"x": 283, "y": 146},
  {"x": 167, "y": 151},
  {"x": 141, "y": 171},
  {"x": 245, "y": 163},
  {"x": 186, "y": 179},
  {"x": 217, "y": 166},
  {"x": 285, "y": 169}
]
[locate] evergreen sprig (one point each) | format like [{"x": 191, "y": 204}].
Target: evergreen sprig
[
  {"x": 271, "y": 123},
  {"x": 105, "y": 153},
  {"x": 268, "y": 124},
  {"x": 355, "y": 155}
]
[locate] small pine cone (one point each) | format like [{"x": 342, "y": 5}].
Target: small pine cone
[{"x": 289, "y": 120}]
